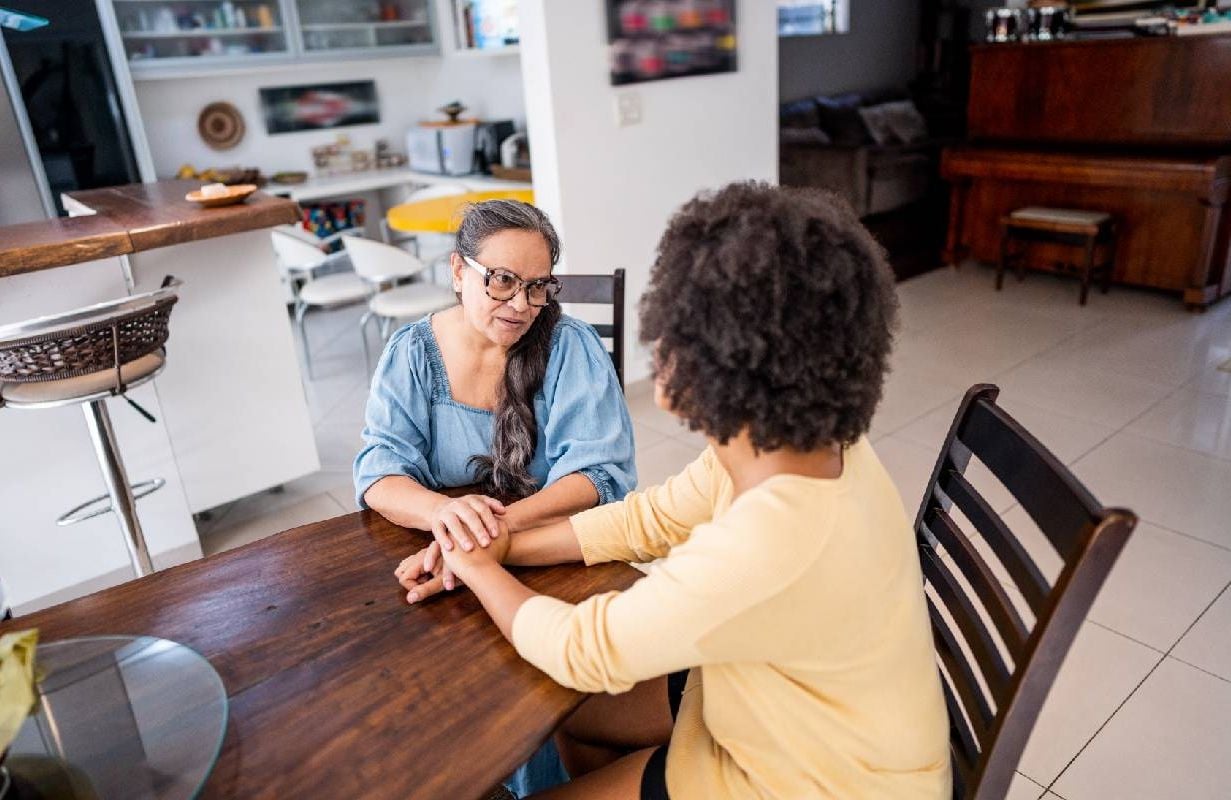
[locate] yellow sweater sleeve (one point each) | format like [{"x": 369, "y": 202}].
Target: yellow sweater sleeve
[
  {"x": 705, "y": 603},
  {"x": 645, "y": 525}
]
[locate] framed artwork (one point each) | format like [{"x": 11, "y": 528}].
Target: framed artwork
[
  {"x": 813, "y": 17},
  {"x": 652, "y": 40},
  {"x": 319, "y": 106}
]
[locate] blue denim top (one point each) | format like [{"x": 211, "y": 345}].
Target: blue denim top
[{"x": 414, "y": 427}]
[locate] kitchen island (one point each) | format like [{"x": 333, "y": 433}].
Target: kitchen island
[{"x": 230, "y": 409}]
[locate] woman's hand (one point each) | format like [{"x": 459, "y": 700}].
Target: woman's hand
[
  {"x": 464, "y": 562},
  {"x": 425, "y": 574},
  {"x": 471, "y": 521}
]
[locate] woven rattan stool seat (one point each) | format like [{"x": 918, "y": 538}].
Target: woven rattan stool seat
[{"x": 83, "y": 386}]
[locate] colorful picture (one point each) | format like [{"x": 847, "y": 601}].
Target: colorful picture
[
  {"x": 326, "y": 105},
  {"x": 655, "y": 39}
]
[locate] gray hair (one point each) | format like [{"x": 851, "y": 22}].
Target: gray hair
[{"x": 504, "y": 472}]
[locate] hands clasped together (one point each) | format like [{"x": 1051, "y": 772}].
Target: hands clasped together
[{"x": 468, "y": 532}]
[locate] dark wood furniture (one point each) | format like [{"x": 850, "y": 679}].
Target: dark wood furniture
[
  {"x": 131, "y": 219},
  {"x": 601, "y": 290},
  {"x": 1140, "y": 128},
  {"x": 1028, "y": 230},
  {"x": 337, "y": 687},
  {"x": 981, "y": 637}
]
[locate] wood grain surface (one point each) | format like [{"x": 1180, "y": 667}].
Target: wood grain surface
[{"x": 337, "y": 687}]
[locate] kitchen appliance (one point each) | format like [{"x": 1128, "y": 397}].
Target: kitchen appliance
[
  {"x": 442, "y": 148},
  {"x": 487, "y": 139}
]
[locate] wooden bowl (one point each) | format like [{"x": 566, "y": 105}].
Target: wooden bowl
[{"x": 235, "y": 194}]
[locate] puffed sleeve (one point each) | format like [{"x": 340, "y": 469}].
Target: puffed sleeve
[
  {"x": 397, "y": 422},
  {"x": 588, "y": 429}
]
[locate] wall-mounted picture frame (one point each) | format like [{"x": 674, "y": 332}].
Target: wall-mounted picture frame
[
  {"x": 651, "y": 40},
  {"x": 319, "y": 106}
]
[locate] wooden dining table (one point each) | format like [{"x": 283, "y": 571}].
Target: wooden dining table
[{"x": 337, "y": 687}]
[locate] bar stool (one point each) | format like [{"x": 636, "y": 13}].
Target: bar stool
[{"x": 83, "y": 357}]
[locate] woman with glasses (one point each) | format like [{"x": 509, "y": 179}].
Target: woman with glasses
[{"x": 503, "y": 394}]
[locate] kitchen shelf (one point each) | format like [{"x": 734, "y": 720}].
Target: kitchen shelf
[
  {"x": 347, "y": 26},
  {"x": 197, "y": 33}
]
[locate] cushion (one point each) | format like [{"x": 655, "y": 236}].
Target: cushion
[
  {"x": 839, "y": 115},
  {"x": 905, "y": 121},
  {"x": 93, "y": 383},
  {"x": 799, "y": 114},
  {"x": 876, "y": 120}
]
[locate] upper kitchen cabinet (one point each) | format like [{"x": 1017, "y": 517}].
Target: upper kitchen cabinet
[
  {"x": 165, "y": 38},
  {"x": 365, "y": 27}
]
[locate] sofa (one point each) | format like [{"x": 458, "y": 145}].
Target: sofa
[{"x": 873, "y": 148}]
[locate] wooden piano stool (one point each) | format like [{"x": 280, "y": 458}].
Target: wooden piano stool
[{"x": 1085, "y": 233}]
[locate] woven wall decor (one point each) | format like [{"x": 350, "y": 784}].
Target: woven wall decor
[{"x": 221, "y": 126}]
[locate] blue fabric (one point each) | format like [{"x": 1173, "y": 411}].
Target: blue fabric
[{"x": 415, "y": 428}]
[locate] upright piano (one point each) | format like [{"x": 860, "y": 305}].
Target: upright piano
[{"x": 1139, "y": 127}]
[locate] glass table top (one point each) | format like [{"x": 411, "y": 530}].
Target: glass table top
[{"x": 138, "y": 718}]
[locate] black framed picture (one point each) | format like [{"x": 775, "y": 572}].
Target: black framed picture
[
  {"x": 653, "y": 40},
  {"x": 319, "y": 106}
]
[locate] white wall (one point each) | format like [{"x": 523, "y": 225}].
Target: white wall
[
  {"x": 410, "y": 89},
  {"x": 878, "y": 53},
  {"x": 611, "y": 190}
]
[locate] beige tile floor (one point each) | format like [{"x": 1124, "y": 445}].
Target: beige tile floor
[{"x": 1127, "y": 391}]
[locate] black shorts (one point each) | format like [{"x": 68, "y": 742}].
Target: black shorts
[{"x": 654, "y": 779}]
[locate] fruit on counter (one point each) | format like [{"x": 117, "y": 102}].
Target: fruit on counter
[{"x": 230, "y": 176}]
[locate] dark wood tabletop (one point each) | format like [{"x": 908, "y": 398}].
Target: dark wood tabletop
[
  {"x": 337, "y": 687},
  {"x": 131, "y": 219}
]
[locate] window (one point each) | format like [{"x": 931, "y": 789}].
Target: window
[{"x": 813, "y": 17}]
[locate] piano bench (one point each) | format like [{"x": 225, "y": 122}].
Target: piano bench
[{"x": 1086, "y": 233}]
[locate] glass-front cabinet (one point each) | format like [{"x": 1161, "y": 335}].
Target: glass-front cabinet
[
  {"x": 166, "y": 31},
  {"x": 174, "y": 36},
  {"x": 332, "y": 25}
]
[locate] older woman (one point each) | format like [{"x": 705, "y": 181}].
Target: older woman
[{"x": 502, "y": 393}]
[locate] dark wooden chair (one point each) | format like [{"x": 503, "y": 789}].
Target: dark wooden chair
[
  {"x": 997, "y": 669},
  {"x": 601, "y": 290}
]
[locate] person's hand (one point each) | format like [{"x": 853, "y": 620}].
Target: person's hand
[
  {"x": 425, "y": 574},
  {"x": 462, "y": 563},
  {"x": 469, "y": 521}
]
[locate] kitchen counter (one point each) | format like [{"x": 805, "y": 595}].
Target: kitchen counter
[{"x": 122, "y": 220}]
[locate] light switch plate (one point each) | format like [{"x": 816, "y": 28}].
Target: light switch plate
[{"x": 628, "y": 109}]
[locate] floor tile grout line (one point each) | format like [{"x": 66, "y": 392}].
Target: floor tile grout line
[
  {"x": 1140, "y": 683},
  {"x": 1199, "y": 669},
  {"x": 1110, "y": 629}
]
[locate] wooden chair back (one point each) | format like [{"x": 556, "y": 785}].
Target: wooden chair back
[
  {"x": 997, "y": 668},
  {"x": 601, "y": 290}
]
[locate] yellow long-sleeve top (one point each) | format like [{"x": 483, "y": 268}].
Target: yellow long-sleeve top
[{"x": 799, "y": 607}]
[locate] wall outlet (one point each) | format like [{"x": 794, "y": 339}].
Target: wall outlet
[{"x": 628, "y": 109}]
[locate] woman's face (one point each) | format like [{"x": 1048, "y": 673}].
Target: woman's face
[{"x": 523, "y": 253}]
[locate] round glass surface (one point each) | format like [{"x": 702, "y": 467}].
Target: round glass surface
[{"x": 130, "y": 717}]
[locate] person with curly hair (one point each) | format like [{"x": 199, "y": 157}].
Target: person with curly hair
[{"x": 779, "y": 646}]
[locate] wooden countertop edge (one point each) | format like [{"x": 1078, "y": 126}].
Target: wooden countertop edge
[{"x": 133, "y": 219}]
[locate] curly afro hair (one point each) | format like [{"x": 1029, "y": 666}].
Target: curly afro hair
[{"x": 773, "y": 310}]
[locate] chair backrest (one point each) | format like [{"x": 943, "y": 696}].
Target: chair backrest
[
  {"x": 294, "y": 251},
  {"x": 379, "y": 262},
  {"x": 601, "y": 290},
  {"x": 997, "y": 669}
]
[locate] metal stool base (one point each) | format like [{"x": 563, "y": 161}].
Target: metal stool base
[{"x": 75, "y": 514}]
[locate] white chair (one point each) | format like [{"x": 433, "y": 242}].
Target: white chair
[
  {"x": 299, "y": 259},
  {"x": 384, "y": 265},
  {"x": 430, "y": 246}
]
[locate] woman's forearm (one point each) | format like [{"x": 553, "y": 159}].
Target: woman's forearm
[
  {"x": 561, "y": 500},
  {"x": 403, "y": 501}
]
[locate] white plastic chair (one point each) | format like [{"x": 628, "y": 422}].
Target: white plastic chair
[
  {"x": 299, "y": 259},
  {"x": 384, "y": 265},
  {"x": 430, "y": 246}
]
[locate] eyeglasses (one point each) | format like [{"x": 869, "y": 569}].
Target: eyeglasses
[{"x": 502, "y": 285}]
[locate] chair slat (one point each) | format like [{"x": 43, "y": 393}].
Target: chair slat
[
  {"x": 1017, "y": 562},
  {"x": 961, "y": 743},
  {"x": 991, "y": 662},
  {"x": 587, "y": 289},
  {"x": 1008, "y": 622},
  {"x": 962, "y": 678},
  {"x": 1062, "y": 508}
]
